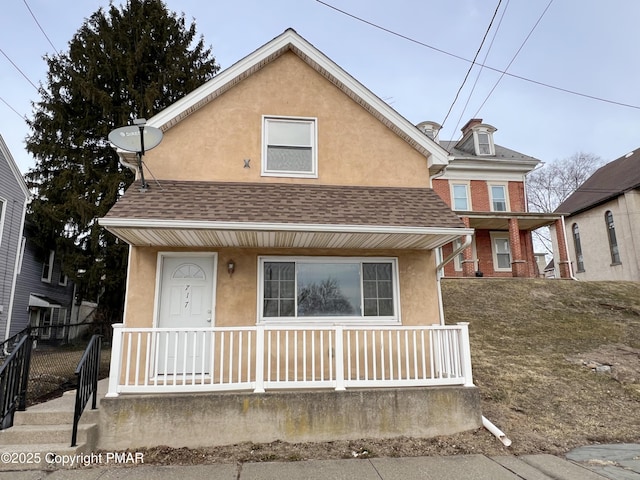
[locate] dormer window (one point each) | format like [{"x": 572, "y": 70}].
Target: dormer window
[
  {"x": 477, "y": 138},
  {"x": 430, "y": 129}
]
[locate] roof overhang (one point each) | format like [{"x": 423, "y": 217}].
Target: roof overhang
[
  {"x": 41, "y": 301},
  {"x": 171, "y": 233},
  {"x": 500, "y": 220}
]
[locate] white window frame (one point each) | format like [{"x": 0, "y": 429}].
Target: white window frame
[
  {"x": 494, "y": 251},
  {"x": 467, "y": 189},
  {"x": 47, "y": 278},
  {"x": 505, "y": 188},
  {"x": 476, "y": 142},
  {"x": 458, "y": 259},
  {"x": 3, "y": 202},
  {"x": 313, "y": 143},
  {"x": 354, "y": 320}
]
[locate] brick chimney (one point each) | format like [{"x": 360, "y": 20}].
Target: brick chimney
[{"x": 470, "y": 124}]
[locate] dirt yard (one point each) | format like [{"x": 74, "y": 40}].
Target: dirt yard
[{"x": 557, "y": 364}]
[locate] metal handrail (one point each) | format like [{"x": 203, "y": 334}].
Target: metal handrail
[
  {"x": 14, "y": 377},
  {"x": 87, "y": 372}
]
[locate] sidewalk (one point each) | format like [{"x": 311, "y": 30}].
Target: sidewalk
[{"x": 459, "y": 467}]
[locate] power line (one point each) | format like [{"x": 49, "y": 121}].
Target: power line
[
  {"x": 519, "y": 77},
  {"x": 475, "y": 83},
  {"x": 514, "y": 57},
  {"x": 18, "y": 68},
  {"x": 472, "y": 63},
  {"x": 22, "y": 117},
  {"x": 40, "y": 27}
]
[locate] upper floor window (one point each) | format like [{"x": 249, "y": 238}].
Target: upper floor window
[
  {"x": 47, "y": 267},
  {"x": 460, "y": 197},
  {"x": 484, "y": 145},
  {"x": 62, "y": 278},
  {"x": 289, "y": 147},
  {"x": 578, "y": 247},
  {"x": 498, "y": 198},
  {"x": 613, "y": 242}
]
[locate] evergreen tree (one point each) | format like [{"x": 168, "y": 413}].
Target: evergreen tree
[{"x": 123, "y": 63}]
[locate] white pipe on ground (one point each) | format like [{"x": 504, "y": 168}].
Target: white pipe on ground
[{"x": 499, "y": 434}]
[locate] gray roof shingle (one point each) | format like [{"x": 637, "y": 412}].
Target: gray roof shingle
[{"x": 284, "y": 203}]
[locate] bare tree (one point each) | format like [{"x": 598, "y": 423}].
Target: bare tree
[{"x": 551, "y": 184}]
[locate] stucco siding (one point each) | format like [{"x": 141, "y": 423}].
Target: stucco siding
[
  {"x": 237, "y": 295},
  {"x": 354, "y": 148},
  {"x": 594, "y": 239}
]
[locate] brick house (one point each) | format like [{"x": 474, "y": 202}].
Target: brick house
[{"x": 484, "y": 183}]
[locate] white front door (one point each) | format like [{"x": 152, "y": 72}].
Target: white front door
[{"x": 186, "y": 301}]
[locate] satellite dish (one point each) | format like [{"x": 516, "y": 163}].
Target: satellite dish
[{"x": 128, "y": 138}]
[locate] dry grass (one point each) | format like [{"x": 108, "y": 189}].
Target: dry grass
[{"x": 529, "y": 339}]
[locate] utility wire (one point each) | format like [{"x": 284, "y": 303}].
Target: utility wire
[
  {"x": 475, "y": 83},
  {"x": 514, "y": 57},
  {"x": 22, "y": 117},
  {"x": 536, "y": 82},
  {"x": 18, "y": 68},
  {"x": 473, "y": 62},
  {"x": 40, "y": 27}
]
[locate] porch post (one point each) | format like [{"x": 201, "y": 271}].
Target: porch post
[
  {"x": 259, "y": 359},
  {"x": 116, "y": 360},
  {"x": 517, "y": 262},
  {"x": 468, "y": 262},
  {"x": 564, "y": 264},
  {"x": 339, "y": 357},
  {"x": 465, "y": 352}
]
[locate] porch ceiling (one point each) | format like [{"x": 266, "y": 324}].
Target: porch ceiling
[
  {"x": 283, "y": 236},
  {"x": 500, "y": 220}
]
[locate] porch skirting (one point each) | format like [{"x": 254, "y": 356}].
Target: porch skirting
[{"x": 208, "y": 419}]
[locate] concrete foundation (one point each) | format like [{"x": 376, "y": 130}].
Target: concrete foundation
[{"x": 200, "y": 420}]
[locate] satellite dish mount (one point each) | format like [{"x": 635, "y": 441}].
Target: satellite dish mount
[{"x": 132, "y": 139}]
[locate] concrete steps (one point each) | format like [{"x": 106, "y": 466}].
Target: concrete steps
[{"x": 41, "y": 436}]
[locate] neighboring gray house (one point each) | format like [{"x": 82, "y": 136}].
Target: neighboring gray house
[
  {"x": 44, "y": 295},
  {"x": 14, "y": 197},
  {"x": 602, "y": 222}
]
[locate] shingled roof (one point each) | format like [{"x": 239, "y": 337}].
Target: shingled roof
[
  {"x": 608, "y": 182},
  {"x": 219, "y": 206}
]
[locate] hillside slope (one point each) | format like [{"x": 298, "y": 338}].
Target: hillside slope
[{"x": 536, "y": 346}]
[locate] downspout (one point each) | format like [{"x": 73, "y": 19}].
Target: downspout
[
  {"x": 486, "y": 423},
  {"x": 440, "y": 267}
]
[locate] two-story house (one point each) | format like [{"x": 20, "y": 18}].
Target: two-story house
[
  {"x": 286, "y": 249},
  {"x": 14, "y": 197},
  {"x": 484, "y": 183},
  {"x": 601, "y": 221}
]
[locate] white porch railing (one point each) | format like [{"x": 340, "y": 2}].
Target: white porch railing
[{"x": 259, "y": 358}]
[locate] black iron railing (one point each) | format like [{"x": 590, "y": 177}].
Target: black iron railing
[
  {"x": 87, "y": 373},
  {"x": 14, "y": 377}
]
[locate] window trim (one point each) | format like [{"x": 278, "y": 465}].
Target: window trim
[
  {"x": 467, "y": 190},
  {"x": 505, "y": 187},
  {"x": 396, "y": 319},
  {"x": 494, "y": 253},
  {"x": 3, "y": 209},
  {"x": 476, "y": 142},
  {"x": 577, "y": 246},
  {"x": 313, "y": 121},
  {"x": 47, "y": 279},
  {"x": 613, "y": 242}
]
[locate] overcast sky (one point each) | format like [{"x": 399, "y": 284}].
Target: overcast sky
[{"x": 586, "y": 46}]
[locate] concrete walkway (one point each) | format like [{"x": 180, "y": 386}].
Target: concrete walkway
[{"x": 459, "y": 467}]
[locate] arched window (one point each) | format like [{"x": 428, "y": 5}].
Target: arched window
[
  {"x": 578, "y": 247},
  {"x": 613, "y": 242}
]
